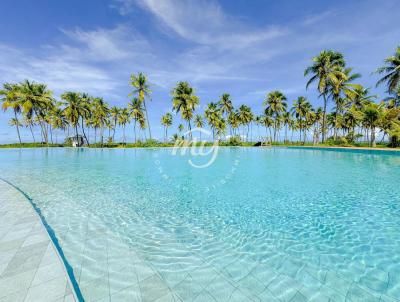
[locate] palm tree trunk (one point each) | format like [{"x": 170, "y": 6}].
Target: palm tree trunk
[
  {"x": 115, "y": 127},
  {"x": 76, "y": 132},
  {"x": 383, "y": 137},
  {"x": 123, "y": 129},
  {"x": 83, "y": 131},
  {"x": 134, "y": 129},
  {"x": 147, "y": 118},
  {"x": 190, "y": 130},
  {"x": 286, "y": 133},
  {"x": 373, "y": 142},
  {"x": 324, "y": 118},
  {"x": 51, "y": 133},
  {"x": 30, "y": 127},
  {"x": 16, "y": 124}
]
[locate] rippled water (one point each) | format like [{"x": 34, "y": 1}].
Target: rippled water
[{"x": 258, "y": 224}]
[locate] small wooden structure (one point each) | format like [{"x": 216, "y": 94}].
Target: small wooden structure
[{"x": 77, "y": 141}]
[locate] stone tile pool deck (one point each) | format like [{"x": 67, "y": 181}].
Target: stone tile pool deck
[{"x": 30, "y": 266}]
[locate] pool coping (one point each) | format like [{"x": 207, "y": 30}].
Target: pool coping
[
  {"x": 68, "y": 271},
  {"x": 345, "y": 148}
]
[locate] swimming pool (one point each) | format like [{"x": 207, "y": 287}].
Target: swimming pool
[{"x": 269, "y": 224}]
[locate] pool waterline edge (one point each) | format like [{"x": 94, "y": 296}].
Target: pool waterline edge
[{"x": 54, "y": 240}]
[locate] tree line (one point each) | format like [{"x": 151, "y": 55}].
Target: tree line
[{"x": 356, "y": 113}]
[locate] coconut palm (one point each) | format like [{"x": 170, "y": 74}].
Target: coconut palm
[
  {"x": 286, "y": 120},
  {"x": 166, "y": 121},
  {"x": 142, "y": 89},
  {"x": 268, "y": 122},
  {"x": 36, "y": 99},
  {"x": 233, "y": 121},
  {"x": 301, "y": 107},
  {"x": 136, "y": 110},
  {"x": 114, "y": 113},
  {"x": 371, "y": 115},
  {"x": 10, "y": 100},
  {"x": 393, "y": 100},
  {"x": 73, "y": 109},
  {"x": 276, "y": 105},
  {"x": 58, "y": 120},
  {"x": 142, "y": 125},
  {"x": 29, "y": 122},
  {"x": 15, "y": 122},
  {"x": 326, "y": 70},
  {"x": 225, "y": 105},
  {"x": 343, "y": 90},
  {"x": 391, "y": 71},
  {"x": 123, "y": 119},
  {"x": 199, "y": 123},
  {"x": 181, "y": 128},
  {"x": 100, "y": 113},
  {"x": 213, "y": 116},
  {"x": 246, "y": 117},
  {"x": 185, "y": 102}
]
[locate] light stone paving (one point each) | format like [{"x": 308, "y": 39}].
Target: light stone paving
[{"x": 30, "y": 267}]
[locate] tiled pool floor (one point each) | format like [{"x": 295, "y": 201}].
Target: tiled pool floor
[
  {"x": 30, "y": 268},
  {"x": 107, "y": 268}
]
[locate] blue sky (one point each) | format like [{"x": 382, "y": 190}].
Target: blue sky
[{"x": 245, "y": 48}]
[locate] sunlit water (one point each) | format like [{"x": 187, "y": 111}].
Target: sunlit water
[{"x": 269, "y": 224}]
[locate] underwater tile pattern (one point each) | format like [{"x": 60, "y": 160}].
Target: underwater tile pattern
[
  {"x": 288, "y": 225},
  {"x": 30, "y": 269}
]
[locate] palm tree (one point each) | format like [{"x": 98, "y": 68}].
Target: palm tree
[
  {"x": 30, "y": 122},
  {"x": 199, "y": 123},
  {"x": 343, "y": 90},
  {"x": 326, "y": 70},
  {"x": 86, "y": 104},
  {"x": 74, "y": 109},
  {"x": 123, "y": 119},
  {"x": 301, "y": 107},
  {"x": 234, "y": 121},
  {"x": 213, "y": 115},
  {"x": 10, "y": 100},
  {"x": 391, "y": 72},
  {"x": 136, "y": 110},
  {"x": 142, "y": 88},
  {"x": 245, "y": 117},
  {"x": 58, "y": 120},
  {"x": 100, "y": 112},
  {"x": 166, "y": 121},
  {"x": 225, "y": 105},
  {"x": 276, "y": 105},
  {"x": 372, "y": 113},
  {"x": 394, "y": 99},
  {"x": 15, "y": 122},
  {"x": 142, "y": 125},
  {"x": 114, "y": 112},
  {"x": 36, "y": 99},
  {"x": 268, "y": 122},
  {"x": 184, "y": 101},
  {"x": 286, "y": 119},
  {"x": 361, "y": 97},
  {"x": 181, "y": 127}
]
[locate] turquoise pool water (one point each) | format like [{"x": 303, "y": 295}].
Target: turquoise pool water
[{"x": 258, "y": 224}]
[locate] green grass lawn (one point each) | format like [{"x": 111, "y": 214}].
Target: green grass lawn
[{"x": 155, "y": 144}]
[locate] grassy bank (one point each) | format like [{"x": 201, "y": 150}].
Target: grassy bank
[{"x": 157, "y": 144}]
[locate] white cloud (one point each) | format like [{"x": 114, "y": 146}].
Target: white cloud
[
  {"x": 119, "y": 43},
  {"x": 204, "y": 22}
]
